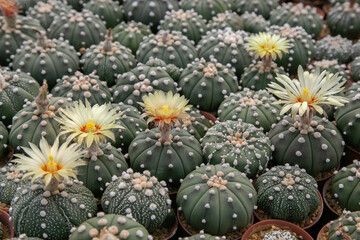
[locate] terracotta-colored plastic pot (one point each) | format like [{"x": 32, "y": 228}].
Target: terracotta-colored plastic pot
[
  {"x": 313, "y": 223},
  {"x": 5, "y": 219},
  {"x": 324, "y": 191},
  {"x": 324, "y": 229},
  {"x": 173, "y": 229},
  {"x": 263, "y": 225},
  {"x": 208, "y": 116}
]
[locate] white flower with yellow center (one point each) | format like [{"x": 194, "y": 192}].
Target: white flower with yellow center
[
  {"x": 309, "y": 92},
  {"x": 89, "y": 124},
  {"x": 268, "y": 45},
  {"x": 50, "y": 162}
]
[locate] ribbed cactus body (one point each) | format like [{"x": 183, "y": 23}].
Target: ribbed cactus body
[
  {"x": 334, "y": 48},
  {"x": 77, "y": 4},
  {"x": 202, "y": 236},
  {"x": 140, "y": 195},
  {"x": 10, "y": 180},
  {"x": 345, "y": 227},
  {"x": 217, "y": 199},
  {"x": 257, "y": 6},
  {"x": 197, "y": 125},
  {"x": 225, "y": 20},
  {"x": 355, "y": 69},
  {"x": 39, "y": 213},
  {"x": 251, "y": 107},
  {"x": 316, "y": 147},
  {"x": 4, "y": 136},
  {"x": 26, "y": 4},
  {"x": 254, "y": 23},
  {"x": 108, "y": 10},
  {"x": 112, "y": 226},
  {"x": 206, "y": 8},
  {"x": 16, "y": 88},
  {"x": 240, "y": 144},
  {"x": 169, "y": 162},
  {"x": 81, "y": 29},
  {"x": 206, "y": 83},
  {"x": 287, "y": 193},
  {"x": 356, "y": 50},
  {"x": 81, "y": 87}
]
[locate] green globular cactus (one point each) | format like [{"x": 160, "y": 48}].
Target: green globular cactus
[
  {"x": 166, "y": 161},
  {"x": 148, "y": 12},
  {"x": 4, "y": 136},
  {"x": 254, "y": 23},
  {"x": 108, "y": 10},
  {"x": 301, "y": 50},
  {"x": 100, "y": 169},
  {"x": 206, "y": 8},
  {"x": 81, "y": 29},
  {"x": 80, "y": 87},
  {"x": 16, "y": 89},
  {"x": 280, "y": 234},
  {"x": 344, "y": 19},
  {"x": 225, "y": 20},
  {"x": 251, "y": 107},
  {"x": 240, "y": 144},
  {"x": 110, "y": 226},
  {"x": 355, "y": 69},
  {"x": 206, "y": 83},
  {"x": 216, "y": 198},
  {"x": 202, "y": 236},
  {"x": 257, "y": 6},
  {"x": 45, "y": 12},
  {"x": 197, "y": 124},
  {"x": 130, "y": 34},
  {"x": 356, "y": 50},
  {"x": 145, "y": 78},
  {"x": 299, "y": 14},
  {"x": 317, "y": 147},
  {"x": 344, "y": 186},
  {"x": 345, "y": 227},
  {"x": 188, "y": 22},
  {"x": 24, "y": 5},
  {"x": 107, "y": 60},
  {"x": 287, "y": 193},
  {"x": 141, "y": 195},
  {"x": 133, "y": 123},
  {"x": 171, "y": 47},
  {"x": 332, "y": 66},
  {"x": 77, "y": 4},
  {"x": 337, "y": 48},
  {"x": 46, "y": 60},
  {"x": 51, "y": 215},
  {"x": 226, "y": 46}
]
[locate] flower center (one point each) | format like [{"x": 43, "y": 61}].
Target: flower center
[
  {"x": 90, "y": 127},
  {"x": 165, "y": 108},
  {"x": 306, "y": 91},
  {"x": 51, "y": 166}
]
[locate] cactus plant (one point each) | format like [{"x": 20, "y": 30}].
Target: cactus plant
[
  {"x": 210, "y": 188},
  {"x": 16, "y": 88},
  {"x": 197, "y": 124},
  {"x": 108, "y": 10},
  {"x": 254, "y": 23},
  {"x": 345, "y": 227},
  {"x": 226, "y": 46},
  {"x": 171, "y": 47},
  {"x": 107, "y": 60},
  {"x": 225, "y": 20},
  {"x": 251, "y": 107},
  {"x": 130, "y": 34},
  {"x": 77, "y": 4},
  {"x": 202, "y": 81},
  {"x": 259, "y": 7},
  {"x": 240, "y": 144},
  {"x": 4, "y": 135},
  {"x": 14, "y": 30},
  {"x": 80, "y": 87},
  {"x": 206, "y": 8},
  {"x": 110, "y": 226},
  {"x": 81, "y": 29},
  {"x": 344, "y": 19},
  {"x": 140, "y": 195},
  {"x": 356, "y": 50},
  {"x": 337, "y": 48},
  {"x": 10, "y": 180},
  {"x": 188, "y": 22},
  {"x": 332, "y": 66},
  {"x": 145, "y": 78},
  {"x": 36, "y": 120},
  {"x": 24, "y": 5},
  {"x": 155, "y": 11},
  {"x": 355, "y": 69},
  {"x": 311, "y": 142},
  {"x": 46, "y": 60},
  {"x": 54, "y": 202},
  {"x": 298, "y": 15}
]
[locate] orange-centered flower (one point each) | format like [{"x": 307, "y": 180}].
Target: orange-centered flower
[{"x": 9, "y": 7}]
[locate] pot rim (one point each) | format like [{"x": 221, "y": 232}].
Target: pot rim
[
  {"x": 5, "y": 219},
  {"x": 324, "y": 191}
]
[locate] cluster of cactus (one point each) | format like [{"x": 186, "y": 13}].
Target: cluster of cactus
[
  {"x": 197, "y": 124},
  {"x": 334, "y": 48},
  {"x": 140, "y": 195},
  {"x": 254, "y": 23},
  {"x": 345, "y": 227},
  {"x": 210, "y": 188},
  {"x": 225, "y": 20},
  {"x": 206, "y": 83},
  {"x": 4, "y": 135},
  {"x": 206, "y": 8},
  {"x": 108, "y": 10},
  {"x": 355, "y": 69},
  {"x": 251, "y": 107},
  {"x": 287, "y": 193}
]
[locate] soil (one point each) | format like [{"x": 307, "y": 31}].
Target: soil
[
  {"x": 324, "y": 235},
  {"x": 334, "y": 204}
]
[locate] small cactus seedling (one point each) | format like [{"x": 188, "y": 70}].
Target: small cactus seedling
[
  {"x": 140, "y": 195},
  {"x": 337, "y": 48},
  {"x": 107, "y": 60},
  {"x": 46, "y": 60},
  {"x": 347, "y": 226},
  {"x": 355, "y": 69},
  {"x": 251, "y": 107},
  {"x": 206, "y": 83},
  {"x": 217, "y": 199},
  {"x": 196, "y": 124},
  {"x": 16, "y": 89},
  {"x": 259, "y": 7},
  {"x": 54, "y": 202},
  {"x": 225, "y": 20},
  {"x": 4, "y": 136},
  {"x": 206, "y": 8},
  {"x": 287, "y": 193},
  {"x": 81, "y": 29},
  {"x": 203, "y": 236},
  {"x": 242, "y": 145},
  {"x": 254, "y": 23},
  {"x": 313, "y": 143},
  {"x": 108, "y": 10},
  {"x": 82, "y": 87},
  {"x": 344, "y": 186},
  {"x": 110, "y": 227}
]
